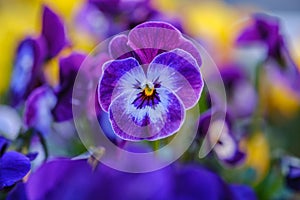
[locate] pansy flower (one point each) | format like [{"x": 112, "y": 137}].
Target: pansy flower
[
  {"x": 224, "y": 143},
  {"x": 32, "y": 53},
  {"x": 266, "y": 30},
  {"x": 278, "y": 64},
  {"x": 153, "y": 80},
  {"x": 13, "y": 165}
]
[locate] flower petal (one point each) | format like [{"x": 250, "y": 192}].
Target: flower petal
[
  {"x": 68, "y": 68},
  {"x": 149, "y": 38},
  {"x": 27, "y": 69},
  {"x": 118, "y": 48},
  {"x": 152, "y": 38},
  {"x": 242, "y": 192},
  {"x": 118, "y": 76},
  {"x": 54, "y": 32},
  {"x": 38, "y": 109},
  {"x": 226, "y": 147},
  {"x": 147, "y": 123},
  {"x": 178, "y": 71},
  {"x": 10, "y": 122},
  {"x": 13, "y": 167}
]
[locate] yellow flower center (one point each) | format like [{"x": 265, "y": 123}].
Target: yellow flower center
[{"x": 148, "y": 90}]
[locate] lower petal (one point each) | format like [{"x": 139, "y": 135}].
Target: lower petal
[
  {"x": 147, "y": 123},
  {"x": 13, "y": 166}
]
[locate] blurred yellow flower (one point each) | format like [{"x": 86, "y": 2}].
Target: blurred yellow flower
[
  {"x": 213, "y": 22},
  {"x": 278, "y": 98},
  {"x": 258, "y": 155}
]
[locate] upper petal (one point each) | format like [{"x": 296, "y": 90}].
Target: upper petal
[
  {"x": 118, "y": 76},
  {"x": 54, "y": 32},
  {"x": 152, "y": 38},
  {"x": 13, "y": 167},
  {"x": 151, "y": 122},
  {"x": 178, "y": 71},
  {"x": 118, "y": 48}
]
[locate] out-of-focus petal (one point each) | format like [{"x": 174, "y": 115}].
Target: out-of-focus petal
[
  {"x": 118, "y": 76},
  {"x": 13, "y": 167},
  {"x": 151, "y": 122},
  {"x": 53, "y": 31},
  {"x": 226, "y": 147},
  {"x": 10, "y": 122},
  {"x": 193, "y": 182},
  {"x": 291, "y": 170},
  {"x": 18, "y": 192},
  {"x": 178, "y": 71},
  {"x": 242, "y": 192},
  {"x": 68, "y": 69},
  {"x": 38, "y": 109},
  {"x": 27, "y": 69}
]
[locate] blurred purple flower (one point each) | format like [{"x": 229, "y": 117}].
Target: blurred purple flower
[
  {"x": 38, "y": 108},
  {"x": 32, "y": 53},
  {"x": 68, "y": 69},
  {"x": 46, "y": 104},
  {"x": 74, "y": 179},
  {"x": 226, "y": 146},
  {"x": 291, "y": 170},
  {"x": 149, "y": 102},
  {"x": 13, "y": 165},
  {"x": 106, "y": 18},
  {"x": 265, "y": 29},
  {"x": 240, "y": 93}
]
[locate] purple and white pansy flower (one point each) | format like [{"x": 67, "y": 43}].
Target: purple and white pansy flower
[
  {"x": 154, "y": 78},
  {"x": 224, "y": 144}
]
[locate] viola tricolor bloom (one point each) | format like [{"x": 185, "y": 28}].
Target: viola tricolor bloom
[
  {"x": 153, "y": 80},
  {"x": 265, "y": 29},
  {"x": 224, "y": 143},
  {"x": 32, "y": 53},
  {"x": 13, "y": 165}
]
